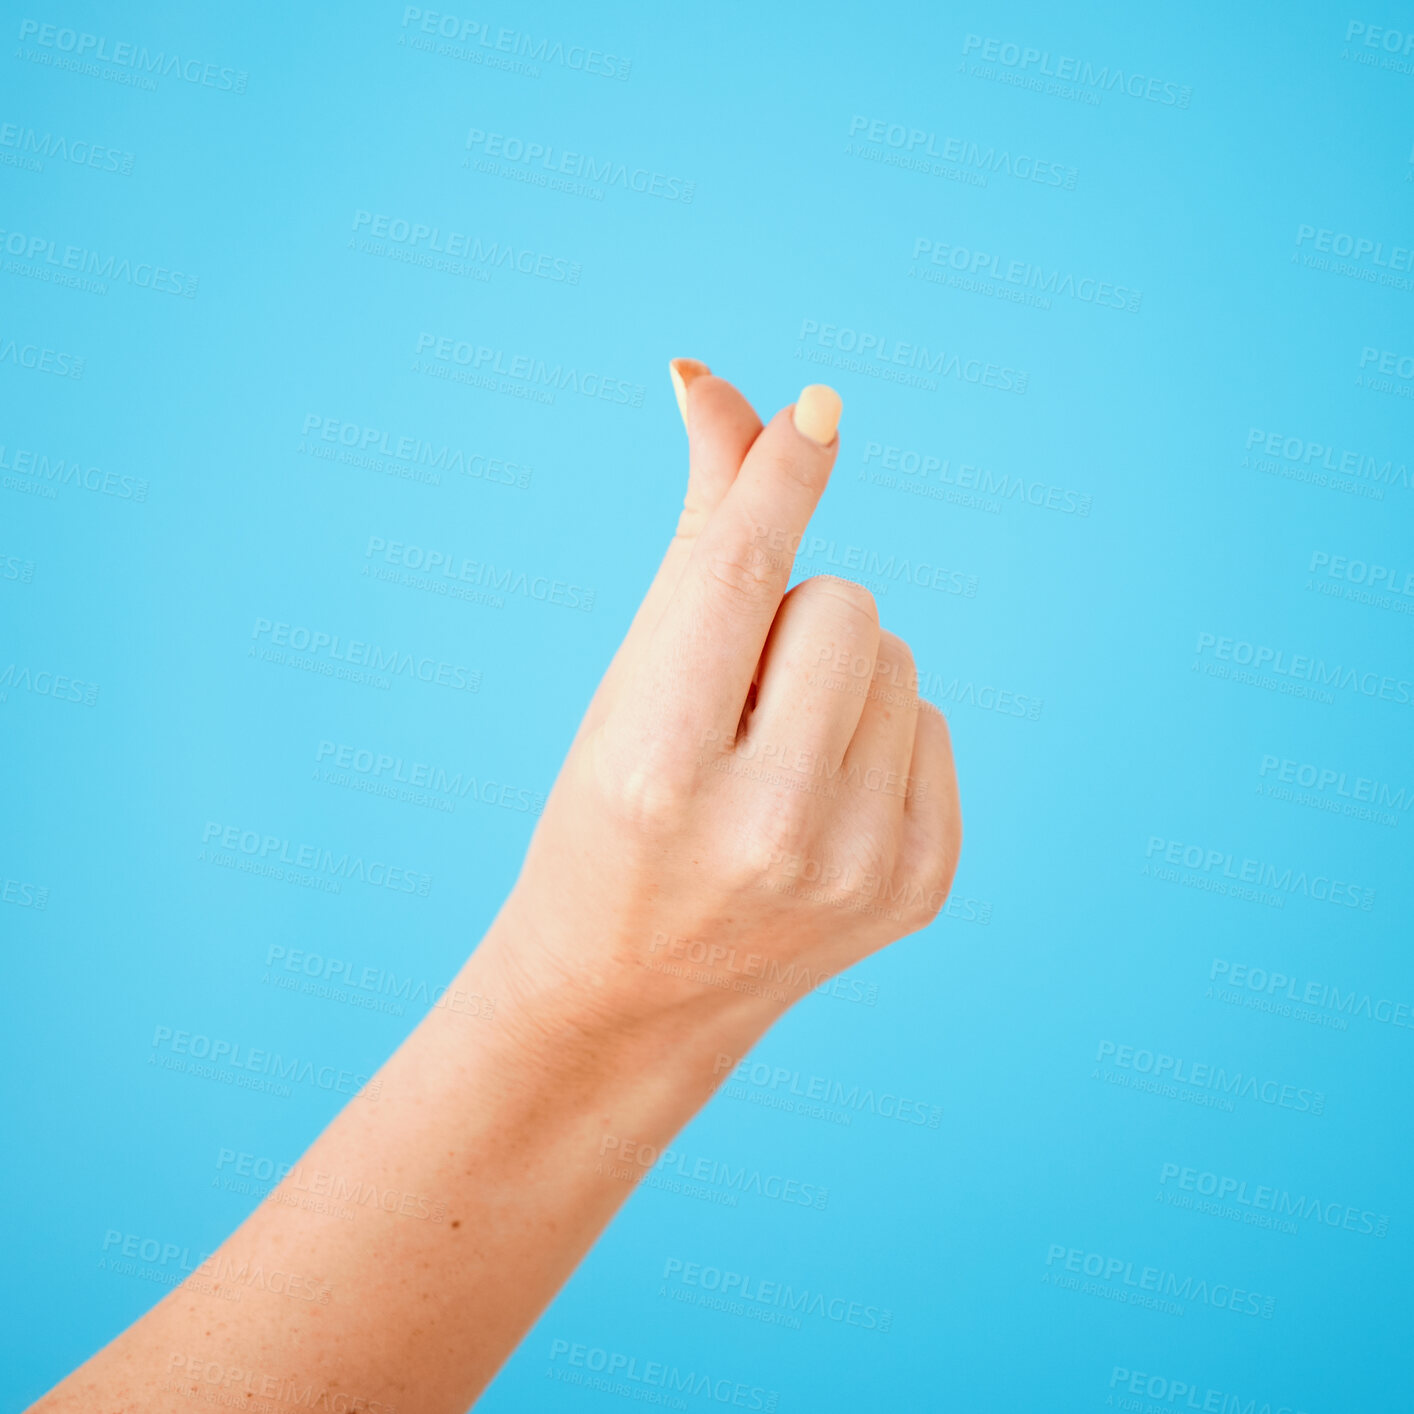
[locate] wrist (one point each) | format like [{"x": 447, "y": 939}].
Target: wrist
[{"x": 586, "y": 1005}]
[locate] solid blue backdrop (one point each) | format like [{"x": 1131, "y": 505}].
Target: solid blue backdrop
[{"x": 298, "y": 302}]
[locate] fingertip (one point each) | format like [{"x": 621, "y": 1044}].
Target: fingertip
[
  {"x": 683, "y": 371},
  {"x": 817, "y": 413}
]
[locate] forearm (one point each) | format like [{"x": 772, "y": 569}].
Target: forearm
[{"x": 488, "y": 1138}]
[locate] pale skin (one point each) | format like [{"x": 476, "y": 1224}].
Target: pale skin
[{"x": 756, "y": 791}]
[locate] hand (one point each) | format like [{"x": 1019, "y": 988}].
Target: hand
[{"x": 757, "y": 798}]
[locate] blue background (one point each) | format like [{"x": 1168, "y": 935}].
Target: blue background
[{"x": 1095, "y": 726}]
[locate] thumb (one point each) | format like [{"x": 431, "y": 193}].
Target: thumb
[{"x": 721, "y": 426}]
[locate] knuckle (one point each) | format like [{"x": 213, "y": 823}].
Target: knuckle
[
  {"x": 740, "y": 564},
  {"x": 828, "y": 593},
  {"x": 853, "y": 872},
  {"x": 934, "y": 742},
  {"x": 920, "y": 902},
  {"x": 936, "y": 870},
  {"x": 935, "y": 898},
  {"x": 894, "y": 651},
  {"x": 767, "y": 846},
  {"x": 645, "y": 787},
  {"x": 934, "y": 715},
  {"x": 895, "y": 660},
  {"x": 744, "y": 575},
  {"x": 691, "y": 519},
  {"x": 871, "y": 863},
  {"x": 792, "y": 459}
]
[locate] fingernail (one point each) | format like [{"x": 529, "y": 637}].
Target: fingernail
[
  {"x": 682, "y": 371},
  {"x": 817, "y": 413}
]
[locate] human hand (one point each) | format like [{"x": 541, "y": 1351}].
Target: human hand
[{"x": 757, "y": 797}]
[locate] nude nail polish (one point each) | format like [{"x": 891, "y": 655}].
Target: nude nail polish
[
  {"x": 817, "y": 413},
  {"x": 682, "y": 371}
]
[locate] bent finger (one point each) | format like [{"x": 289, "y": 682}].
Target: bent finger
[
  {"x": 805, "y": 716},
  {"x": 880, "y": 754},
  {"x": 933, "y": 820}
]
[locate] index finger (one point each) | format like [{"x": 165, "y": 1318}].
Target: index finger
[{"x": 714, "y": 628}]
